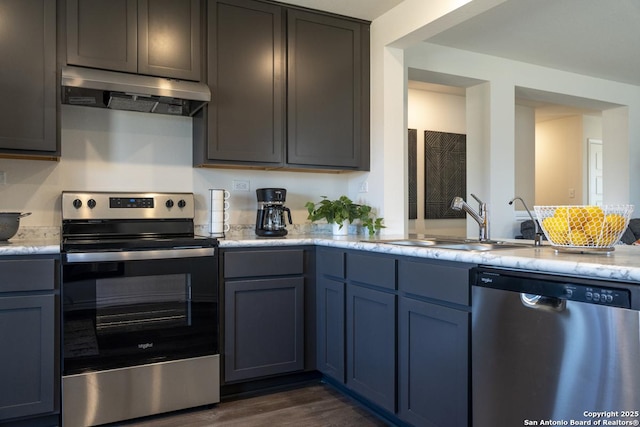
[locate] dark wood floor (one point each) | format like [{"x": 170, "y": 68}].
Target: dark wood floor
[{"x": 316, "y": 405}]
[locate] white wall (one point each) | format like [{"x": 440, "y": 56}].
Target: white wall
[
  {"x": 435, "y": 112},
  {"x": 397, "y": 44},
  {"x": 559, "y": 161},
  {"x": 495, "y": 174},
  {"x": 125, "y": 151},
  {"x": 525, "y": 148}
]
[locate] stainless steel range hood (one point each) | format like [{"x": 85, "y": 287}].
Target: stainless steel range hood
[{"x": 132, "y": 92}]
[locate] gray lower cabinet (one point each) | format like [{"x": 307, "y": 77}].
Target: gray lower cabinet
[
  {"x": 330, "y": 312},
  {"x": 401, "y": 327},
  {"x": 356, "y": 324},
  {"x": 153, "y": 37},
  {"x": 28, "y": 123},
  {"x": 330, "y": 300},
  {"x": 264, "y": 313},
  {"x": 371, "y": 345},
  {"x": 28, "y": 329},
  {"x": 433, "y": 343}
]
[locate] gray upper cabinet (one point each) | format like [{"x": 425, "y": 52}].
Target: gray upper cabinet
[
  {"x": 290, "y": 89},
  {"x": 245, "y": 73},
  {"x": 169, "y": 38},
  {"x": 103, "y": 34},
  {"x": 325, "y": 91},
  {"x": 154, "y": 37},
  {"x": 28, "y": 118}
]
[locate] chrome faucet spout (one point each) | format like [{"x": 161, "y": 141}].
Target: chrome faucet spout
[
  {"x": 537, "y": 240},
  {"x": 482, "y": 217}
]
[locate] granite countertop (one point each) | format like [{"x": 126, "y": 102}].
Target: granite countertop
[
  {"x": 34, "y": 246},
  {"x": 621, "y": 264}
]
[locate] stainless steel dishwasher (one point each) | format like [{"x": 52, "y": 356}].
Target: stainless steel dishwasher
[{"x": 553, "y": 350}]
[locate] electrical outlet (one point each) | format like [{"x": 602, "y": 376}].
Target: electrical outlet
[
  {"x": 364, "y": 187},
  {"x": 572, "y": 193},
  {"x": 3, "y": 178},
  {"x": 240, "y": 185}
]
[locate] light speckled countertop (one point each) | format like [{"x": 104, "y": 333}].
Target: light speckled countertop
[
  {"x": 621, "y": 264},
  {"x": 42, "y": 246}
]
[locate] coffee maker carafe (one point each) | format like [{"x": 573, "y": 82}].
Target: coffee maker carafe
[{"x": 270, "y": 218}]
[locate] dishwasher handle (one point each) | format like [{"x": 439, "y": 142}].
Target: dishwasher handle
[{"x": 539, "y": 302}]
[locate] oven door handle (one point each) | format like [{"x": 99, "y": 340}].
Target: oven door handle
[{"x": 78, "y": 257}]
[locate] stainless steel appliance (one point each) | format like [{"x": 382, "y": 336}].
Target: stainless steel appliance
[
  {"x": 132, "y": 92},
  {"x": 270, "y": 218},
  {"x": 554, "y": 349},
  {"x": 139, "y": 307}
]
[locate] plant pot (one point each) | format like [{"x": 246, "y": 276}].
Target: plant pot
[{"x": 341, "y": 231}]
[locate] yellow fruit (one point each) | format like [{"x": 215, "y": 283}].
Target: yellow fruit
[
  {"x": 577, "y": 217},
  {"x": 616, "y": 222},
  {"x": 594, "y": 213},
  {"x": 561, "y": 212},
  {"x": 579, "y": 238},
  {"x": 557, "y": 229},
  {"x": 605, "y": 240},
  {"x": 593, "y": 228}
]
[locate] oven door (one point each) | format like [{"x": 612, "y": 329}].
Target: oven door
[{"x": 131, "y": 308}]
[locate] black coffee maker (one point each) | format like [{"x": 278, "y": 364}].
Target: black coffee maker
[{"x": 270, "y": 218}]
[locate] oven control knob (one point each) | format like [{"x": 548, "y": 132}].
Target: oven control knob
[
  {"x": 169, "y": 203},
  {"x": 91, "y": 203},
  {"x": 77, "y": 203},
  {"x": 182, "y": 204}
]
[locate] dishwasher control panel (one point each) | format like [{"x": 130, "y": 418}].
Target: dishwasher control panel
[
  {"x": 561, "y": 287},
  {"x": 598, "y": 295}
]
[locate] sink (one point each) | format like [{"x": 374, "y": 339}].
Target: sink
[
  {"x": 481, "y": 246},
  {"x": 460, "y": 244},
  {"x": 419, "y": 242}
]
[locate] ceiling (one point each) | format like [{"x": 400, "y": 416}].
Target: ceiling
[
  {"x": 362, "y": 9},
  {"x": 590, "y": 37}
]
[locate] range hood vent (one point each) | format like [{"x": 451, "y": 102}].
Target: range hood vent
[{"x": 132, "y": 92}]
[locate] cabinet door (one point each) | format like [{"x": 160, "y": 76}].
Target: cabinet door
[
  {"x": 28, "y": 76},
  {"x": 433, "y": 364},
  {"x": 246, "y": 75},
  {"x": 103, "y": 34},
  {"x": 330, "y": 328},
  {"x": 264, "y": 327},
  {"x": 169, "y": 40},
  {"x": 27, "y": 357},
  {"x": 371, "y": 345},
  {"x": 324, "y": 90}
]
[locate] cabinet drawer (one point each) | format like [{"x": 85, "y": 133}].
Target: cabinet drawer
[
  {"x": 438, "y": 280},
  {"x": 263, "y": 263},
  {"x": 330, "y": 262},
  {"x": 27, "y": 275},
  {"x": 372, "y": 270}
]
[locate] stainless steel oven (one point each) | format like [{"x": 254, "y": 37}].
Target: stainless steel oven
[{"x": 140, "y": 307}]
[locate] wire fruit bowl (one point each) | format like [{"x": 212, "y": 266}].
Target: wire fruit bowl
[{"x": 584, "y": 228}]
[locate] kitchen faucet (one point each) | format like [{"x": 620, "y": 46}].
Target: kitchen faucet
[
  {"x": 481, "y": 218},
  {"x": 537, "y": 240}
]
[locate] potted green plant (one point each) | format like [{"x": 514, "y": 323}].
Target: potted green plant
[{"x": 341, "y": 211}]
